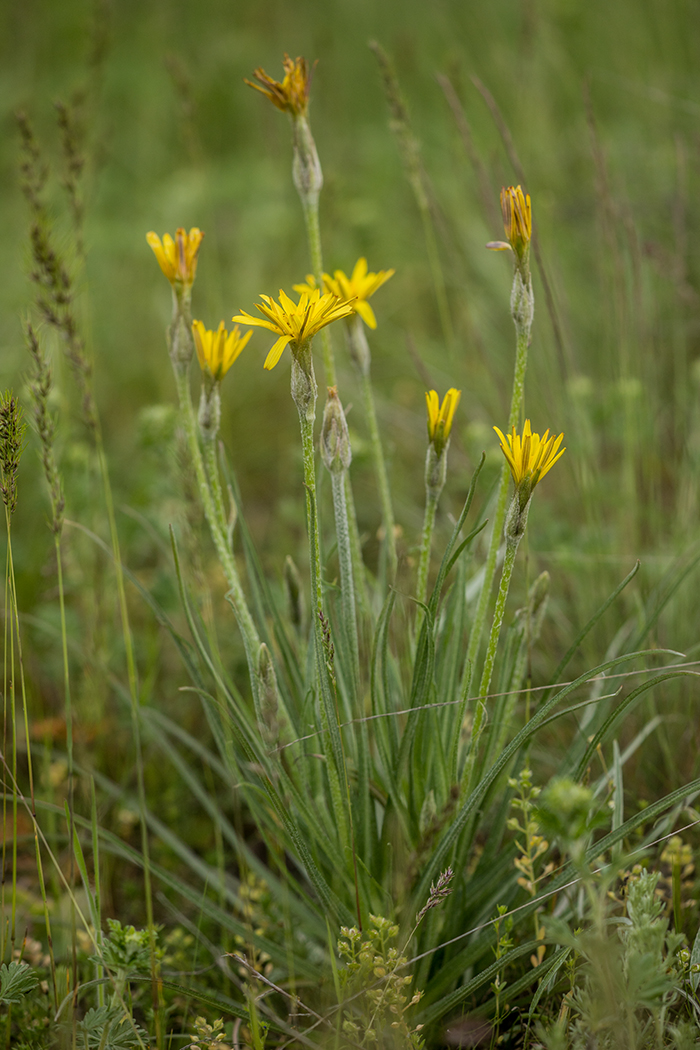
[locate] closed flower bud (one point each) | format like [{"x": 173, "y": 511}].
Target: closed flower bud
[{"x": 335, "y": 440}]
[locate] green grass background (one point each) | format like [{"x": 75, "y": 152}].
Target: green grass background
[{"x": 174, "y": 137}]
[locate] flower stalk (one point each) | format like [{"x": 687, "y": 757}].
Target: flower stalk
[
  {"x": 517, "y": 221},
  {"x": 337, "y": 455}
]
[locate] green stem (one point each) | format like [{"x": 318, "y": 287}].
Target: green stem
[
  {"x": 347, "y": 587},
  {"x": 509, "y": 562},
  {"x": 360, "y": 576},
  {"x": 380, "y": 470},
  {"x": 212, "y": 466},
  {"x": 431, "y": 502},
  {"x": 251, "y": 639},
  {"x": 522, "y": 330},
  {"x": 304, "y": 393},
  {"x": 313, "y": 235}
]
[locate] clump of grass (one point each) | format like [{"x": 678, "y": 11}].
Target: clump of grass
[{"x": 351, "y": 780}]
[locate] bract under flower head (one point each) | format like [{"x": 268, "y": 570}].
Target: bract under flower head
[
  {"x": 296, "y": 323},
  {"x": 440, "y": 417},
  {"x": 531, "y": 456},
  {"x": 360, "y": 286},
  {"x": 177, "y": 258},
  {"x": 216, "y": 351},
  {"x": 292, "y": 94}
]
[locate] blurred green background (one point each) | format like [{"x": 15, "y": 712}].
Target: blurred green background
[{"x": 603, "y": 107}]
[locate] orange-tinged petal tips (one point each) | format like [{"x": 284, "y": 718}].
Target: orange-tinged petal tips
[
  {"x": 291, "y": 94},
  {"x": 517, "y": 219},
  {"x": 177, "y": 257}
]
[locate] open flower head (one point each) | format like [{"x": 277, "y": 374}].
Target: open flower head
[
  {"x": 177, "y": 258},
  {"x": 216, "y": 351},
  {"x": 360, "y": 286},
  {"x": 531, "y": 456},
  {"x": 440, "y": 417},
  {"x": 292, "y": 94},
  {"x": 517, "y": 221},
  {"x": 296, "y": 323}
]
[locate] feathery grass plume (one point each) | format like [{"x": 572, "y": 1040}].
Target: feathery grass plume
[
  {"x": 12, "y": 428},
  {"x": 40, "y": 384},
  {"x": 72, "y": 138},
  {"x": 438, "y": 892},
  {"x": 50, "y": 274}
]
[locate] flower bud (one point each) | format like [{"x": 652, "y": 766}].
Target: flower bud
[{"x": 335, "y": 440}]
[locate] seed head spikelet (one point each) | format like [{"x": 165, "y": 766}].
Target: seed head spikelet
[
  {"x": 296, "y": 323},
  {"x": 216, "y": 351},
  {"x": 12, "y": 429}
]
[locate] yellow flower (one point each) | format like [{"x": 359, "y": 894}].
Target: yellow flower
[
  {"x": 440, "y": 417},
  {"x": 295, "y": 323},
  {"x": 216, "y": 351},
  {"x": 360, "y": 287},
  {"x": 517, "y": 221},
  {"x": 292, "y": 95},
  {"x": 530, "y": 457},
  {"x": 177, "y": 258}
]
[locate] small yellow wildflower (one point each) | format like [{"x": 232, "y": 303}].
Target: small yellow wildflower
[
  {"x": 177, "y": 258},
  {"x": 292, "y": 95},
  {"x": 517, "y": 221},
  {"x": 216, "y": 351},
  {"x": 440, "y": 417},
  {"x": 296, "y": 323},
  {"x": 530, "y": 457},
  {"x": 360, "y": 287}
]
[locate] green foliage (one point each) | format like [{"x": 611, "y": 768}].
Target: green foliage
[
  {"x": 107, "y": 1028},
  {"x": 375, "y": 1003},
  {"x": 16, "y": 981},
  {"x": 316, "y": 771},
  {"x": 630, "y": 986}
]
